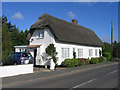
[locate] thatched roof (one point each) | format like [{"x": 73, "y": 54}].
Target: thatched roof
[{"x": 67, "y": 32}]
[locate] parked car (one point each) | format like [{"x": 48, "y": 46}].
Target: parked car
[{"x": 19, "y": 58}]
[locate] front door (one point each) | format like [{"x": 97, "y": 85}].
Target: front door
[{"x": 35, "y": 53}]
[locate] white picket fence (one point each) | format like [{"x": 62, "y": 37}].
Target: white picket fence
[{"x": 6, "y": 71}]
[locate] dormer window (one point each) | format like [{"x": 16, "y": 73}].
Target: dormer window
[{"x": 41, "y": 34}]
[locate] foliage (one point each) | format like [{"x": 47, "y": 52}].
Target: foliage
[
  {"x": 74, "y": 54},
  {"x": 68, "y": 63},
  {"x": 51, "y": 50},
  {"x": 94, "y": 60},
  {"x": 6, "y": 41},
  {"x": 102, "y": 59},
  {"x": 106, "y": 50},
  {"x": 107, "y": 55},
  {"x": 75, "y": 62},
  {"x": 11, "y": 36},
  {"x": 84, "y": 61},
  {"x": 115, "y": 49}
]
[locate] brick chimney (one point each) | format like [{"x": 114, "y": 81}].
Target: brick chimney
[{"x": 75, "y": 21}]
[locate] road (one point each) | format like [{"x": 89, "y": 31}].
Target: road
[{"x": 105, "y": 76}]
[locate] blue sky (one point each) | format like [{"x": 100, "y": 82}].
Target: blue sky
[{"x": 94, "y": 15}]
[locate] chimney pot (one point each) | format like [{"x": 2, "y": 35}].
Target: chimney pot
[{"x": 75, "y": 21}]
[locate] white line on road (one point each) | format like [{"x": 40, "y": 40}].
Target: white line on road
[
  {"x": 112, "y": 72},
  {"x": 84, "y": 83}
]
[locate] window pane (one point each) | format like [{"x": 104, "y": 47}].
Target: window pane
[
  {"x": 80, "y": 52},
  {"x": 95, "y": 52},
  {"x": 65, "y": 52},
  {"x": 90, "y": 52},
  {"x": 42, "y": 34}
]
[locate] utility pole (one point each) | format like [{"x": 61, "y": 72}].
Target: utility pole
[{"x": 111, "y": 40}]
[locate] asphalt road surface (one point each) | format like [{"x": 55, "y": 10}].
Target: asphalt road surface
[{"x": 105, "y": 76}]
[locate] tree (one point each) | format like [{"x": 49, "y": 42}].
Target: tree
[
  {"x": 106, "y": 49},
  {"x": 115, "y": 49},
  {"x": 11, "y": 36},
  {"x": 51, "y": 50},
  {"x": 6, "y": 41},
  {"x": 74, "y": 54}
]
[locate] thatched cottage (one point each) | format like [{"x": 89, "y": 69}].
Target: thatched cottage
[{"x": 67, "y": 37}]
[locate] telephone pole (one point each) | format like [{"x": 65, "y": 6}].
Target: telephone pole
[{"x": 111, "y": 40}]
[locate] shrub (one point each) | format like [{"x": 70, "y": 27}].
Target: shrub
[
  {"x": 74, "y": 54},
  {"x": 81, "y": 61},
  {"x": 76, "y": 61},
  {"x": 84, "y": 61},
  {"x": 51, "y": 50},
  {"x": 68, "y": 63},
  {"x": 94, "y": 60},
  {"x": 102, "y": 59},
  {"x": 107, "y": 55}
]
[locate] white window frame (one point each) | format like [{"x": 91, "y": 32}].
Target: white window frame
[
  {"x": 65, "y": 52},
  {"x": 80, "y": 53},
  {"x": 96, "y": 52},
  {"x": 90, "y": 52},
  {"x": 40, "y": 33}
]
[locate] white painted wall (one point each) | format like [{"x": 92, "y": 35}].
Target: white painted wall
[{"x": 6, "y": 71}]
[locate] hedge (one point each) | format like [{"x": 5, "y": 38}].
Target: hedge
[
  {"x": 94, "y": 60},
  {"x": 75, "y": 62},
  {"x": 83, "y": 61},
  {"x": 68, "y": 63},
  {"x": 102, "y": 59}
]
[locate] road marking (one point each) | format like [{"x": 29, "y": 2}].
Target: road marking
[
  {"x": 84, "y": 83},
  {"x": 112, "y": 72}
]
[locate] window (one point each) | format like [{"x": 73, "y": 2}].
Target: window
[
  {"x": 80, "y": 53},
  {"x": 41, "y": 34},
  {"x": 95, "y": 52},
  {"x": 90, "y": 52},
  {"x": 65, "y": 52}
]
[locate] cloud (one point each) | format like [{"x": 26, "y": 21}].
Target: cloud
[
  {"x": 71, "y": 14},
  {"x": 17, "y": 16}
]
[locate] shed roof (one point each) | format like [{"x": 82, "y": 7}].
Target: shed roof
[{"x": 67, "y": 32}]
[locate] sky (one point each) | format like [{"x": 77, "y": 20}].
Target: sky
[{"x": 94, "y": 15}]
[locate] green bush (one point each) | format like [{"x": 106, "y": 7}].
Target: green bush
[
  {"x": 94, "y": 60},
  {"x": 73, "y": 62},
  {"x": 102, "y": 59},
  {"x": 68, "y": 63},
  {"x": 107, "y": 55},
  {"x": 87, "y": 61},
  {"x": 76, "y": 62}
]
